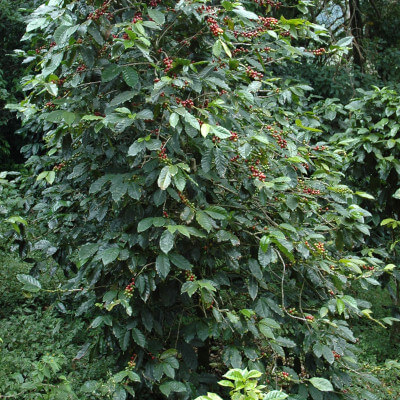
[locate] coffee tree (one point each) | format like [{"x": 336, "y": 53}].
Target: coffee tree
[{"x": 200, "y": 226}]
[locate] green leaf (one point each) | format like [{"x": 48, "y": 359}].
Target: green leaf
[
  {"x": 172, "y": 386},
  {"x": 166, "y": 241},
  {"x": 275, "y": 395},
  {"x": 30, "y": 283},
  {"x": 145, "y": 224},
  {"x": 109, "y": 255},
  {"x": 119, "y": 393},
  {"x": 130, "y": 76},
  {"x": 121, "y": 98},
  {"x": 191, "y": 120},
  {"x": 221, "y": 162},
  {"x": 205, "y": 129},
  {"x": 204, "y": 220},
  {"x": 190, "y": 288},
  {"x": 340, "y": 306},
  {"x": 245, "y": 14},
  {"x": 180, "y": 261},
  {"x": 300, "y": 124},
  {"x": 35, "y": 24},
  {"x": 138, "y": 337},
  {"x": 52, "y": 88},
  {"x": 328, "y": 354},
  {"x": 397, "y": 194},
  {"x": 266, "y": 331},
  {"x": 145, "y": 114},
  {"x": 163, "y": 266},
  {"x": 226, "y": 49},
  {"x": 157, "y": 16},
  {"x": 365, "y": 195},
  {"x": 216, "y": 212},
  {"x": 321, "y": 384},
  {"x": 217, "y": 48},
  {"x": 92, "y": 118},
  {"x": 164, "y": 179},
  {"x": 220, "y": 132},
  {"x": 87, "y": 251},
  {"x": 174, "y": 119},
  {"x": 264, "y": 243},
  {"x": 110, "y": 72},
  {"x": 119, "y": 377}
]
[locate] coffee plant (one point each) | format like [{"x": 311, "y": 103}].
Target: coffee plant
[{"x": 197, "y": 213}]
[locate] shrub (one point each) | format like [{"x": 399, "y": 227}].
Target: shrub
[{"x": 198, "y": 225}]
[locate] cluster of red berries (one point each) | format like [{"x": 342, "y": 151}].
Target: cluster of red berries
[
  {"x": 323, "y": 209},
  {"x": 185, "y": 200},
  {"x": 233, "y": 137},
  {"x": 320, "y": 247},
  {"x": 168, "y": 64},
  {"x": 268, "y": 22},
  {"x": 311, "y": 191},
  {"x": 99, "y": 12},
  {"x": 266, "y": 3},
  {"x": 309, "y": 318},
  {"x": 165, "y": 214},
  {"x": 256, "y": 173},
  {"x": 81, "y": 68},
  {"x": 282, "y": 143},
  {"x": 291, "y": 310},
  {"x": 185, "y": 103},
  {"x": 319, "y": 148},
  {"x": 215, "y": 29},
  {"x": 59, "y": 82},
  {"x": 39, "y": 49},
  {"x": 131, "y": 362},
  {"x": 285, "y": 375},
  {"x": 190, "y": 276},
  {"x": 285, "y": 34},
  {"x": 59, "y": 167},
  {"x": 216, "y": 139},
  {"x": 336, "y": 355},
  {"x": 319, "y": 52},
  {"x": 104, "y": 49},
  {"x": 125, "y": 36},
  {"x": 249, "y": 34},
  {"x": 368, "y": 268},
  {"x": 211, "y": 306},
  {"x": 162, "y": 154},
  {"x": 239, "y": 50},
  {"x": 137, "y": 17},
  {"x": 99, "y": 114},
  {"x": 50, "y": 105},
  {"x": 130, "y": 288},
  {"x": 257, "y": 76},
  {"x": 235, "y": 158},
  {"x": 154, "y": 3},
  {"x": 204, "y": 9},
  {"x": 52, "y": 44}
]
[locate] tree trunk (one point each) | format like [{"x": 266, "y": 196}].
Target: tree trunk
[{"x": 356, "y": 31}]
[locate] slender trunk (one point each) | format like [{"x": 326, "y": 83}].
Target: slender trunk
[{"x": 356, "y": 31}]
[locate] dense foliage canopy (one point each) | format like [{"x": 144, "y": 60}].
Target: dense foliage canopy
[{"x": 189, "y": 191}]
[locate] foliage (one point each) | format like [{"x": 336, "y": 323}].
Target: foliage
[
  {"x": 45, "y": 358},
  {"x": 244, "y": 387},
  {"x": 12, "y": 27},
  {"x": 371, "y": 144},
  {"x": 199, "y": 226}
]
